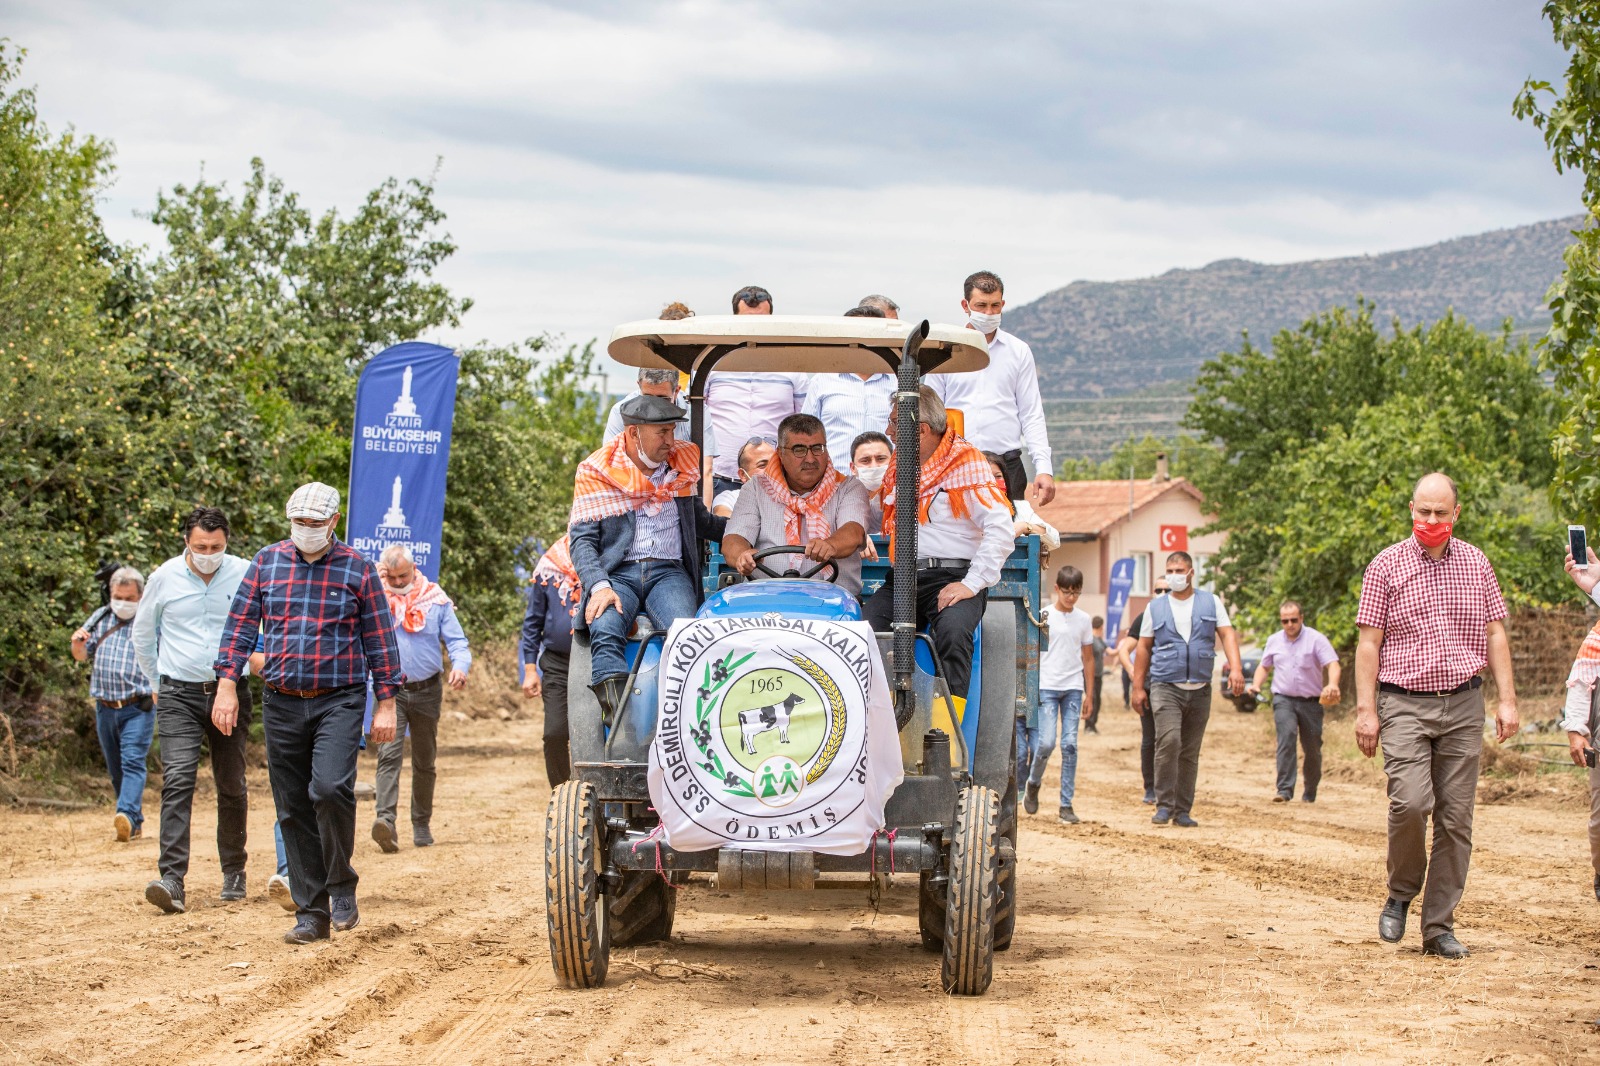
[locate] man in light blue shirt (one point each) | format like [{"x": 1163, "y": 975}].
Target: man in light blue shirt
[
  {"x": 424, "y": 618},
  {"x": 850, "y": 404},
  {"x": 175, "y": 636}
]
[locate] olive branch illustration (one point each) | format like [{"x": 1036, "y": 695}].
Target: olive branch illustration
[{"x": 715, "y": 679}]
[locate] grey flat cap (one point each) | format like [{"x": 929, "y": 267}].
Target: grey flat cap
[{"x": 651, "y": 411}]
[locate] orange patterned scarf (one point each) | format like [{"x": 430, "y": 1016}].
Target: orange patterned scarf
[
  {"x": 411, "y": 609},
  {"x": 608, "y": 482},
  {"x": 808, "y": 508},
  {"x": 957, "y": 469},
  {"x": 555, "y": 568}
]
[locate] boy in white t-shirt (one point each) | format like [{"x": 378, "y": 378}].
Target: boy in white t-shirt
[{"x": 1068, "y": 659}]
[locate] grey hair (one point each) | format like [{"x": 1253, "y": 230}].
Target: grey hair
[
  {"x": 654, "y": 375},
  {"x": 930, "y": 409},
  {"x": 127, "y": 575},
  {"x": 397, "y": 552},
  {"x": 881, "y": 302}
]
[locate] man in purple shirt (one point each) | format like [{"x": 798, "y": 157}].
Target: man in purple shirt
[
  {"x": 1297, "y": 656},
  {"x": 322, "y": 612}
]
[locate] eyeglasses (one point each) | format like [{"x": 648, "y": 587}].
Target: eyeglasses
[
  {"x": 754, "y": 296},
  {"x": 800, "y": 451},
  {"x": 1290, "y": 621}
]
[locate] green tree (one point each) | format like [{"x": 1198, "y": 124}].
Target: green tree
[
  {"x": 1570, "y": 122},
  {"x": 1322, "y": 437}
]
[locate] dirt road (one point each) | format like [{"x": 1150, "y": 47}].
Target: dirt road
[{"x": 1252, "y": 938}]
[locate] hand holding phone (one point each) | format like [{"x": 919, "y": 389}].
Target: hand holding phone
[{"x": 1578, "y": 545}]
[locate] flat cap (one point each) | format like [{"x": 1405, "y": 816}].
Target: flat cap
[
  {"x": 313, "y": 500},
  {"x": 651, "y": 411}
]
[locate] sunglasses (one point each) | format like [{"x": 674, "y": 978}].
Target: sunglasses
[
  {"x": 753, "y": 441},
  {"x": 753, "y": 297},
  {"x": 1290, "y": 621}
]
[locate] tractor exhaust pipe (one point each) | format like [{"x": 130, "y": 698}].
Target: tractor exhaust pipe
[{"x": 907, "y": 487}]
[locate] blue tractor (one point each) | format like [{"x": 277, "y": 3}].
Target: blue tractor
[{"x": 610, "y": 881}]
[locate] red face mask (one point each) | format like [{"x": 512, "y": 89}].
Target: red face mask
[{"x": 1432, "y": 534}]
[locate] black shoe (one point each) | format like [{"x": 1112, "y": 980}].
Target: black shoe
[
  {"x": 1392, "y": 922},
  {"x": 166, "y": 893},
  {"x": 384, "y": 834},
  {"x": 233, "y": 886},
  {"x": 1091, "y": 729},
  {"x": 305, "y": 931},
  {"x": 1030, "y": 799},
  {"x": 1185, "y": 821},
  {"x": 421, "y": 836},
  {"x": 610, "y": 692},
  {"x": 1150, "y": 795},
  {"x": 346, "y": 915},
  {"x": 1308, "y": 799},
  {"x": 1446, "y": 946},
  {"x": 1162, "y": 816},
  {"x": 1068, "y": 817}
]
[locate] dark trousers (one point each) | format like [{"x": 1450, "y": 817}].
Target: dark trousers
[
  {"x": 311, "y": 756},
  {"x": 183, "y": 715},
  {"x": 725, "y": 484},
  {"x": 418, "y": 709},
  {"x": 1180, "y": 717},
  {"x": 1094, "y": 715},
  {"x": 1296, "y": 716},
  {"x": 952, "y": 627},
  {"x": 1147, "y": 749},
  {"x": 1127, "y": 689},
  {"x": 553, "y": 666}
]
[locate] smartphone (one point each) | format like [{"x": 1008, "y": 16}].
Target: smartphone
[{"x": 1578, "y": 543}]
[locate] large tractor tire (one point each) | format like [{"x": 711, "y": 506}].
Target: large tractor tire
[
  {"x": 1005, "y": 913},
  {"x": 580, "y": 932},
  {"x": 642, "y": 910},
  {"x": 967, "y": 966}
]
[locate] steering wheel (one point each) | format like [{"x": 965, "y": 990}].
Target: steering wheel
[{"x": 793, "y": 549}]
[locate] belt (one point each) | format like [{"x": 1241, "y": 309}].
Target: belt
[
  {"x": 431, "y": 681},
  {"x": 208, "y": 687},
  {"x": 1384, "y": 686},
  {"x": 1014, "y": 453},
  {"x": 303, "y": 694},
  {"x": 117, "y": 705},
  {"x": 943, "y": 564}
]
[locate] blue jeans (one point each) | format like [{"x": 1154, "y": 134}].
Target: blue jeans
[
  {"x": 1024, "y": 751},
  {"x": 665, "y": 592},
  {"x": 125, "y": 734},
  {"x": 1063, "y": 709},
  {"x": 277, "y": 838}
]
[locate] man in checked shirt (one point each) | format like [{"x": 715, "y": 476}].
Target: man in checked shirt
[
  {"x": 1431, "y": 617},
  {"x": 325, "y": 619}
]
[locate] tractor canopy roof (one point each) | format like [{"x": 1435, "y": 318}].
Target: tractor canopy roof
[{"x": 806, "y": 344}]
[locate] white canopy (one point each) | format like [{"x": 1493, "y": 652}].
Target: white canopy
[{"x": 806, "y": 344}]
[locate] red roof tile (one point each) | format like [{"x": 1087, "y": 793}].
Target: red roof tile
[{"x": 1092, "y": 507}]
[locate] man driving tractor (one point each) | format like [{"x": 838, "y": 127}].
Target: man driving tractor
[
  {"x": 636, "y": 529},
  {"x": 802, "y": 500}
]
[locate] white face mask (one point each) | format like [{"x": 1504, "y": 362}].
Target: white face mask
[
  {"x": 872, "y": 477},
  {"x": 309, "y": 539},
  {"x": 983, "y": 323},
  {"x": 207, "y": 564},
  {"x": 1177, "y": 582},
  {"x": 124, "y": 609}
]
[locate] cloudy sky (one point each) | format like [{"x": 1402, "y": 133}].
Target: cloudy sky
[{"x": 599, "y": 159}]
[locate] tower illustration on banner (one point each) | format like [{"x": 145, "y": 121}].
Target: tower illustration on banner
[
  {"x": 394, "y": 526},
  {"x": 404, "y": 406}
]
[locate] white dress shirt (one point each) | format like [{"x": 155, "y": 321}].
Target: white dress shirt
[
  {"x": 1000, "y": 406},
  {"x": 740, "y": 406},
  {"x": 848, "y": 407},
  {"x": 984, "y": 536}
]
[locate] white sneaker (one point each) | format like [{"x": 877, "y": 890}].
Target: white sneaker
[{"x": 278, "y": 892}]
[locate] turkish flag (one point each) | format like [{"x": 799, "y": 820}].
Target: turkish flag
[{"x": 1174, "y": 538}]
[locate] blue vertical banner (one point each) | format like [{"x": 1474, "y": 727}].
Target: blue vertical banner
[
  {"x": 1117, "y": 597},
  {"x": 405, "y": 404}
]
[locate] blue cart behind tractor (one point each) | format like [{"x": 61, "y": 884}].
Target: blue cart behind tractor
[{"x": 953, "y": 819}]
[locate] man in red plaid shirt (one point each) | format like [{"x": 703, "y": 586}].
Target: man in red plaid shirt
[
  {"x": 322, "y": 612},
  {"x": 1431, "y": 617}
]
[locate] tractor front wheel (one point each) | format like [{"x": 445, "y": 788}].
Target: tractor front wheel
[
  {"x": 967, "y": 966},
  {"x": 580, "y": 934}
]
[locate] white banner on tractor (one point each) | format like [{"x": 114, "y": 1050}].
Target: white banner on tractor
[{"x": 774, "y": 734}]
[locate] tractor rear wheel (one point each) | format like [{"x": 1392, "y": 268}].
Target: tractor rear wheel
[
  {"x": 1005, "y": 915},
  {"x": 580, "y": 934},
  {"x": 642, "y": 909},
  {"x": 931, "y": 900},
  {"x": 967, "y": 966}
]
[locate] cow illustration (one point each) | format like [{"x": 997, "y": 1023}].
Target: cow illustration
[{"x": 758, "y": 720}]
